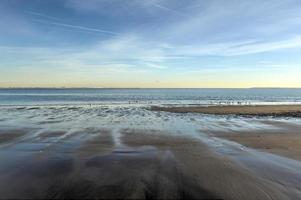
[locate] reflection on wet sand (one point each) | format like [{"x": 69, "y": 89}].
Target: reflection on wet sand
[
  {"x": 132, "y": 152},
  {"x": 144, "y": 164},
  {"x": 92, "y": 171}
]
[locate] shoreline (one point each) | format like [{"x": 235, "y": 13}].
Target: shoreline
[{"x": 240, "y": 110}]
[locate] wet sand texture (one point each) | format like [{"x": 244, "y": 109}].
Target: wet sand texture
[
  {"x": 145, "y": 165},
  {"x": 258, "y": 110},
  {"x": 282, "y": 143},
  {"x": 202, "y": 168},
  {"x": 7, "y": 136},
  {"x": 95, "y": 171}
]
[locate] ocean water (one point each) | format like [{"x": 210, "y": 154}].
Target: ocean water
[{"x": 148, "y": 96}]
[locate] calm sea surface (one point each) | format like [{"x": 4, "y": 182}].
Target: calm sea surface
[{"x": 148, "y": 96}]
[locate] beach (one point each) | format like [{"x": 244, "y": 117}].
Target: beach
[
  {"x": 286, "y": 141},
  {"x": 246, "y": 110},
  {"x": 145, "y": 166},
  {"x": 134, "y": 152},
  {"x": 282, "y": 143}
]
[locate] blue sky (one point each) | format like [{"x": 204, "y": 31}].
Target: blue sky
[{"x": 154, "y": 43}]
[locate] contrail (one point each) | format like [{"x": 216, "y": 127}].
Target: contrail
[
  {"x": 165, "y": 8},
  {"x": 44, "y": 16},
  {"x": 76, "y": 27}
]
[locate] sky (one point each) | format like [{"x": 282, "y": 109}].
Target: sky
[{"x": 150, "y": 43}]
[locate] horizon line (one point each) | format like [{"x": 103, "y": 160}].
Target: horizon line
[{"x": 150, "y": 87}]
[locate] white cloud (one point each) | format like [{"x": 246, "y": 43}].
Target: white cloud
[{"x": 155, "y": 66}]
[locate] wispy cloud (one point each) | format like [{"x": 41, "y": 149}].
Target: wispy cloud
[
  {"x": 157, "y": 35},
  {"x": 155, "y": 66},
  {"x": 165, "y": 8},
  {"x": 42, "y": 15},
  {"x": 76, "y": 27},
  {"x": 236, "y": 48}
]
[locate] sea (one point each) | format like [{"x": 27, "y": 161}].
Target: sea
[{"x": 102, "y": 96}]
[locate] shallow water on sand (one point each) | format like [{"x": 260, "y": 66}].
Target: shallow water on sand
[{"x": 85, "y": 151}]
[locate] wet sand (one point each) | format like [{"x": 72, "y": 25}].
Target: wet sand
[
  {"x": 10, "y": 135},
  {"x": 144, "y": 164},
  {"x": 133, "y": 153},
  {"x": 101, "y": 144},
  {"x": 284, "y": 143},
  {"x": 245, "y": 110},
  {"x": 212, "y": 172},
  {"x": 95, "y": 168}
]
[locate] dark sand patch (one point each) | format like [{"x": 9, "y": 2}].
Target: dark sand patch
[
  {"x": 246, "y": 110},
  {"x": 9, "y": 135},
  {"x": 50, "y": 122},
  {"x": 34, "y": 108},
  {"x": 136, "y": 138},
  {"x": 32, "y": 178},
  {"x": 51, "y": 134},
  {"x": 48, "y": 167},
  {"x": 101, "y": 144}
]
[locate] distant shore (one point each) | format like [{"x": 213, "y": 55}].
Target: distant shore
[{"x": 245, "y": 110}]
